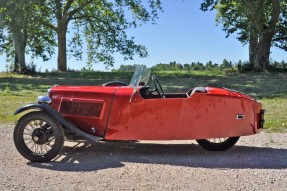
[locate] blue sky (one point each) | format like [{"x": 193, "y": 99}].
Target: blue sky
[{"x": 183, "y": 33}]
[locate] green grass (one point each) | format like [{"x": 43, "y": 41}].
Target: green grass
[{"x": 270, "y": 89}]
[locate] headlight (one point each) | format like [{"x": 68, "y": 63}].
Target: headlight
[{"x": 44, "y": 99}]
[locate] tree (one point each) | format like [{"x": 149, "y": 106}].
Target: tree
[
  {"x": 126, "y": 68},
  {"x": 197, "y": 66},
  {"x": 19, "y": 29},
  {"x": 225, "y": 64},
  {"x": 186, "y": 66},
  {"x": 172, "y": 65},
  {"x": 256, "y": 22},
  {"x": 178, "y": 66},
  {"x": 209, "y": 65},
  {"x": 101, "y": 23}
]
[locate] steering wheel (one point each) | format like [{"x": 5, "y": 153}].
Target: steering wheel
[{"x": 156, "y": 85}]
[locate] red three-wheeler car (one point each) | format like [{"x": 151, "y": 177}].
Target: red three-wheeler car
[{"x": 214, "y": 117}]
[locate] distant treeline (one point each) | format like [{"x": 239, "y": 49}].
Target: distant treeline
[{"x": 225, "y": 65}]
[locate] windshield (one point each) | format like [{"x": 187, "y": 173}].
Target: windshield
[{"x": 140, "y": 77}]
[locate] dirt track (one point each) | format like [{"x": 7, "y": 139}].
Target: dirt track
[{"x": 256, "y": 163}]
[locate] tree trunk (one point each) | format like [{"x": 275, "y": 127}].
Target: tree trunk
[
  {"x": 252, "y": 46},
  {"x": 263, "y": 53},
  {"x": 265, "y": 30},
  {"x": 62, "y": 47},
  {"x": 20, "y": 46}
]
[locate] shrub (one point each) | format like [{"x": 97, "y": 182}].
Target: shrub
[{"x": 245, "y": 67}]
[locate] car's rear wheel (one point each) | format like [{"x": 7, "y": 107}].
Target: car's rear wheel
[
  {"x": 38, "y": 137},
  {"x": 218, "y": 144}
]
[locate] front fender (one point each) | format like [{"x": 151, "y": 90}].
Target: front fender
[
  {"x": 29, "y": 107},
  {"x": 46, "y": 108}
]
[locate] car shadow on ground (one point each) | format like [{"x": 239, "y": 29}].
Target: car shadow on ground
[{"x": 87, "y": 156}]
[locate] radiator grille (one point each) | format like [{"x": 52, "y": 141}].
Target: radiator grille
[{"x": 81, "y": 108}]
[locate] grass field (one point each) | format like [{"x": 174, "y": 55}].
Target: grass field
[{"x": 271, "y": 89}]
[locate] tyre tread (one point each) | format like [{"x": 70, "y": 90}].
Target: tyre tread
[
  {"x": 58, "y": 133},
  {"x": 227, "y": 144}
]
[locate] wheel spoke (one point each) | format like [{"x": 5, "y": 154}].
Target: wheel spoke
[
  {"x": 41, "y": 123},
  {"x": 51, "y": 139},
  {"x": 28, "y": 130},
  {"x": 37, "y": 122},
  {"x": 35, "y": 147},
  {"x": 32, "y": 148},
  {"x": 49, "y": 144},
  {"x": 217, "y": 140},
  {"x": 41, "y": 150},
  {"x": 28, "y": 139},
  {"x": 27, "y": 134},
  {"x": 38, "y": 149},
  {"x": 32, "y": 126},
  {"x": 28, "y": 142},
  {"x": 47, "y": 149}
]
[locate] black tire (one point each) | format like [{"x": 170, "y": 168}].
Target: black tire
[
  {"x": 40, "y": 144},
  {"x": 221, "y": 145}
]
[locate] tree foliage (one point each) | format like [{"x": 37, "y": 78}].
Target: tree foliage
[
  {"x": 259, "y": 23},
  {"x": 20, "y": 32},
  {"x": 101, "y": 24},
  {"x": 225, "y": 65},
  {"x": 37, "y": 26}
]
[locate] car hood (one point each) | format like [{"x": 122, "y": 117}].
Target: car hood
[{"x": 105, "y": 89}]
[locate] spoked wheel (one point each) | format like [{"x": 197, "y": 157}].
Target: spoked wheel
[
  {"x": 38, "y": 137},
  {"x": 218, "y": 144}
]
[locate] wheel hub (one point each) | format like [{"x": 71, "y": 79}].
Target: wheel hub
[{"x": 39, "y": 136}]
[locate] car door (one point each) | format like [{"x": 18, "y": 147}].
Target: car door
[
  {"x": 134, "y": 118},
  {"x": 154, "y": 119}
]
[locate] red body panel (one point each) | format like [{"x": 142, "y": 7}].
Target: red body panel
[
  {"x": 202, "y": 115},
  {"x": 86, "y": 94}
]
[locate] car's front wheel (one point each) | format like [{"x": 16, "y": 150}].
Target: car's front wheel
[
  {"x": 38, "y": 137},
  {"x": 218, "y": 144}
]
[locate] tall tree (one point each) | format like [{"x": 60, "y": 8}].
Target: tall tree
[
  {"x": 13, "y": 18},
  {"x": 102, "y": 23},
  {"x": 20, "y": 29},
  {"x": 256, "y": 22}
]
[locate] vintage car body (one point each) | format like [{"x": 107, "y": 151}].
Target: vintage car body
[
  {"x": 201, "y": 115},
  {"x": 117, "y": 112}
]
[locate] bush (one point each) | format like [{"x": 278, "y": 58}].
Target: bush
[
  {"x": 277, "y": 67},
  {"x": 245, "y": 67},
  {"x": 30, "y": 69}
]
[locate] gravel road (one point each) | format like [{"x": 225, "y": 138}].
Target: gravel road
[{"x": 257, "y": 162}]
